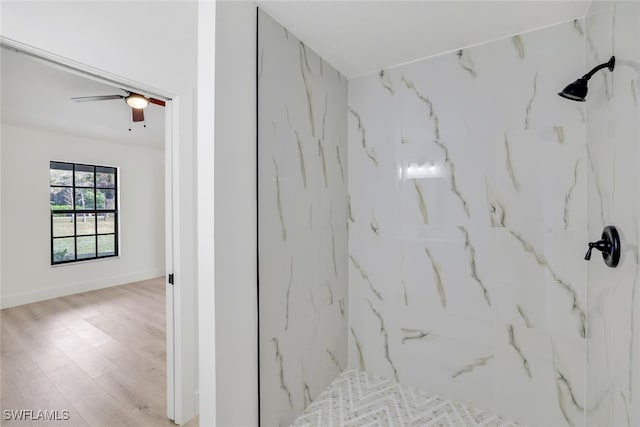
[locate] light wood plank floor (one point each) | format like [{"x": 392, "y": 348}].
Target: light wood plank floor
[{"x": 100, "y": 355}]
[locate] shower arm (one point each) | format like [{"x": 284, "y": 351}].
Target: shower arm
[{"x": 610, "y": 64}]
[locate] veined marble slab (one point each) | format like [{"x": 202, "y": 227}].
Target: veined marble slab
[
  {"x": 472, "y": 191},
  {"x": 302, "y": 189},
  {"x": 613, "y": 136},
  {"x": 468, "y": 226}
]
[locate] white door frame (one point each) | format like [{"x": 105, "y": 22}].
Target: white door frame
[
  {"x": 171, "y": 191},
  {"x": 172, "y": 185}
]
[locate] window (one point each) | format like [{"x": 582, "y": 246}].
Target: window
[{"x": 84, "y": 212}]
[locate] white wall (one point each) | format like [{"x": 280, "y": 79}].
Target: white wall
[
  {"x": 235, "y": 215},
  {"x": 206, "y": 212},
  {"x": 27, "y": 275},
  {"x": 161, "y": 54}
]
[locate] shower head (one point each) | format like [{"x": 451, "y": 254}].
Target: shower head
[{"x": 577, "y": 91}]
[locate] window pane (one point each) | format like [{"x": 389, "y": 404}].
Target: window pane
[
  {"x": 105, "y": 177},
  {"x": 84, "y": 199},
  {"x": 106, "y": 245},
  {"x": 63, "y": 250},
  {"x": 62, "y": 225},
  {"x": 85, "y": 224},
  {"x": 60, "y": 173},
  {"x": 61, "y": 199},
  {"x": 106, "y": 199},
  {"x": 86, "y": 247},
  {"x": 84, "y": 176},
  {"x": 77, "y": 191},
  {"x": 106, "y": 223}
]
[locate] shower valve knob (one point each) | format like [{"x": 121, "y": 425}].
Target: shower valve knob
[
  {"x": 603, "y": 246},
  {"x": 609, "y": 245}
]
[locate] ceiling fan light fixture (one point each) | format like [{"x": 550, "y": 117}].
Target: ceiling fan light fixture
[{"x": 137, "y": 101}]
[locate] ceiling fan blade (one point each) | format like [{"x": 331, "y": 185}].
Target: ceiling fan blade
[
  {"x": 138, "y": 114},
  {"x": 156, "y": 101},
  {"x": 96, "y": 98}
]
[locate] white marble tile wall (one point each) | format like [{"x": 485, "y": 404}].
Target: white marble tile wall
[
  {"x": 302, "y": 161},
  {"x": 613, "y": 374},
  {"x": 467, "y": 226}
]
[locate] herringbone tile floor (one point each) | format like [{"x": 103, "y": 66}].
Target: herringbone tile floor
[{"x": 358, "y": 399}]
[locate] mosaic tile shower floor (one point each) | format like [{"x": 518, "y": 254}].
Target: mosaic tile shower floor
[{"x": 355, "y": 398}]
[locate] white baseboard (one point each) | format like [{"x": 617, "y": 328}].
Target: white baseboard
[{"x": 7, "y": 301}]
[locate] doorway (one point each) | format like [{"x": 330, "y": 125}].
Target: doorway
[{"x": 77, "y": 143}]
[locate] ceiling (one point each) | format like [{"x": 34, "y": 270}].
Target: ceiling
[
  {"x": 360, "y": 37},
  {"x": 37, "y": 95},
  {"x": 356, "y": 37}
]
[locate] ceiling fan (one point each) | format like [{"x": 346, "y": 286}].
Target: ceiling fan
[{"x": 136, "y": 101}]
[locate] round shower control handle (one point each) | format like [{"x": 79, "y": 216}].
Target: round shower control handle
[{"x": 609, "y": 245}]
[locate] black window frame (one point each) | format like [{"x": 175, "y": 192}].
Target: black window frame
[{"x": 75, "y": 212}]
